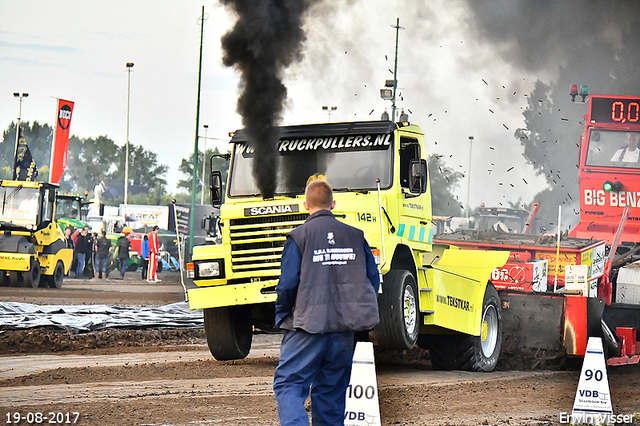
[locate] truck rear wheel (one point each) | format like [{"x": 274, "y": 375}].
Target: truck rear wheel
[
  {"x": 399, "y": 311},
  {"x": 229, "y": 332},
  {"x": 55, "y": 280},
  {"x": 473, "y": 353}
]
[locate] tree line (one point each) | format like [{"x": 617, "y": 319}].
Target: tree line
[{"x": 91, "y": 161}]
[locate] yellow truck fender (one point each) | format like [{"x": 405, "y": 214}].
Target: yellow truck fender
[{"x": 458, "y": 279}]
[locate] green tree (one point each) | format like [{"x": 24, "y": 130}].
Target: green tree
[
  {"x": 186, "y": 167},
  {"x": 90, "y": 161},
  {"x": 144, "y": 170},
  {"x": 444, "y": 180}
]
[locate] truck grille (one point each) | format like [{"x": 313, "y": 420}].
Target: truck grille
[{"x": 257, "y": 242}]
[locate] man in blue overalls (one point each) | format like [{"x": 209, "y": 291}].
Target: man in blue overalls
[{"x": 327, "y": 290}]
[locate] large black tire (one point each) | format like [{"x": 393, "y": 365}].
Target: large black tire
[
  {"x": 399, "y": 311},
  {"x": 55, "y": 280},
  {"x": 31, "y": 278},
  {"x": 15, "y": 278},
  {"x": 229, "y": 332},
  {"x": 473, "y": 353}
]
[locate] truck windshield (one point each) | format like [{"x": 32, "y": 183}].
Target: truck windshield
[
  {"x": 346, "y": 167},
  {"x": 68, "y": 207},
  {"x": 609, "y": 148},
  {"x": 19, "y": 205}
]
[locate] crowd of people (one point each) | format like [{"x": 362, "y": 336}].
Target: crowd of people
[{"x": 95, "y": 256}]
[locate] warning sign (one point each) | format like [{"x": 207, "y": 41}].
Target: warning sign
[
  {"x": 593, "y": 399},
  {"x": 362, "y": 407}
]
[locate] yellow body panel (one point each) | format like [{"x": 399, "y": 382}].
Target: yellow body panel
[
  {"x": 230, "y": 295},
  {"x": 458, "y": 282},
  {"x": 15, "y": 261}
]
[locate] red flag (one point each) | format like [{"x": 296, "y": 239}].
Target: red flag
[{"x": 61, "y": 142}]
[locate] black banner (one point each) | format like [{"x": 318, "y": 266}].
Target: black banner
[{"x": 24, "y": 166}]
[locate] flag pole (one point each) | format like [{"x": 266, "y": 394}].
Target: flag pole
[{"x": 15, "y": 152}]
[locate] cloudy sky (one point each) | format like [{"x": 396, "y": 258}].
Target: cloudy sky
[{"x": 456, "y": 79}]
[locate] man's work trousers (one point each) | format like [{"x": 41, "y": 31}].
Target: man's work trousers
[{"x": 320, "y": 362}]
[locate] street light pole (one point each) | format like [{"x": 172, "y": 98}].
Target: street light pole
[
  {"x": 204, "y": 161},
  {"x": 15, "y": 151},
  {"x": 126, "y": 158},
  {"x": 469, "y": 177},
  {"x": 329, "y": 109},
  {"x": 194, "y": 186}
]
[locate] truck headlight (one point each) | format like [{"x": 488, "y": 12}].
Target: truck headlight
[{"x": 209, "y": 269}]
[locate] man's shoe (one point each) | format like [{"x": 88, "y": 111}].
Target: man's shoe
[{"x": 156, "y": 280}]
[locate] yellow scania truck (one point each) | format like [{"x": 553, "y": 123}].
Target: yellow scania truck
[{"x": 436, "y": 296}]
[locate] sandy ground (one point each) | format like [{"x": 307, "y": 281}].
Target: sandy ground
[{"x": 168, "y": 377}]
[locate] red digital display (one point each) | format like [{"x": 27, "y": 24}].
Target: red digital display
[{"x": 615, "y": 110}]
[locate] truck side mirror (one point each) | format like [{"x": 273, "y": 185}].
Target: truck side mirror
[
  {"x": 417, "y": 177},
  {"x": 215, "y": 188}
]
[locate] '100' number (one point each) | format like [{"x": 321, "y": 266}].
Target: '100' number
[{"x": 358, "y": 392}]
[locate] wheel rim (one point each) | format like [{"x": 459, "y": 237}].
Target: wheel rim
[
  {"x": 489, "y": 333},
  {"x": 410, "y": 308}
]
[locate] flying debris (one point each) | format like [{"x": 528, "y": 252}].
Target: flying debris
[
  {"x": 505, "y": 126},
  {"x": 564, "y": 119},
  {"x": 491, "y": 111},
  {"x": 485, "y": 82},
  {"x": 509, "y": 169},
  {"x": 491, "y": 148},
  {"x": 409, "y": 111},
  {"x": 525, "y": 181},
  {"x": 385, "y": 58},
  {"x": 371, "y": 112}
]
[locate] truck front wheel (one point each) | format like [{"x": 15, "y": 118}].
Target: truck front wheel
[
  {"x": 399, "y": 311},
  {"x": 229, "y": 332},
  {"x": 473, "y": 353}
]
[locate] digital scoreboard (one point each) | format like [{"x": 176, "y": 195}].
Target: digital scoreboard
[{"x": 614, "y": 110}]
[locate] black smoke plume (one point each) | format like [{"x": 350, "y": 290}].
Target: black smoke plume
[{"x": 266, "y": 39}]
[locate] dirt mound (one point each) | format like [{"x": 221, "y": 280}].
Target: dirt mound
[{"x": 44, "y": 340}]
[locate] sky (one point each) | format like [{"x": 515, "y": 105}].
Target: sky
[{"x": 454, "y": 80}]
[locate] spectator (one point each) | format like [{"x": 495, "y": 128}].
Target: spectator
[
  {"x": 122, "y": 250},
  {"x": 154, "y": 249},
  {"x": 102, "y": 247},
  {"x": 145, "y": 256},
  {"x": 82, "y": 248}
]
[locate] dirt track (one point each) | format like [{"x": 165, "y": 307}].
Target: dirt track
[{"x": 167, "y": 377}]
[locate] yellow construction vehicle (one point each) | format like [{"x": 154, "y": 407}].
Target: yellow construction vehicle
[
  {"x": 33, "y": 250},
  {"x": 433, "y": 295}
]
